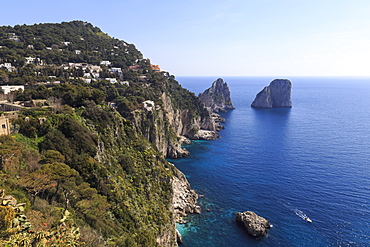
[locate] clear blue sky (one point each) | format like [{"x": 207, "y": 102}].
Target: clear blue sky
[{"x": 225, "y": 38}]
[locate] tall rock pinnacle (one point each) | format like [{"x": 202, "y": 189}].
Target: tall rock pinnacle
[{"x": 217, "y": 98}]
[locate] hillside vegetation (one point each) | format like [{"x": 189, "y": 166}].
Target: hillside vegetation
[{"x": 87, "y": 173}]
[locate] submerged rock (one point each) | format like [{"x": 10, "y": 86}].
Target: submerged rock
[
  {"x": 256, "y": 225},
  {"x": 276, "y": 95},
  {"x": 217, "y": 98}
]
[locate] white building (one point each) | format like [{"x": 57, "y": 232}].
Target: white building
[
  {"x": 116, "y": 70},
  {"x": 30, "y": 60},
  {"x": 111, "y": 80},
  {"x": 34, "y": 60},
  {"x": 94, "y": 68},
  {"x": 149, "y": 105},
  {"x": 87, "y": 80},
  {"x": 8, "y": 66},
  {"x": 8, "y": 89},
  {"x": 105, "y": 63}
]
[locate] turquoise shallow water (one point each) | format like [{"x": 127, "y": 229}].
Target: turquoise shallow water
[{"x": 313, "y": 157}]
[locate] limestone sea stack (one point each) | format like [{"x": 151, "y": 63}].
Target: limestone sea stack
[
  {"x": 256, "y": 225},
  {"x": 217, "y": 98},
  {"x": 276, "y": 95}
]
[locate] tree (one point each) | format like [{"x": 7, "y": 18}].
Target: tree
[
  {"x": 52, "y": 156},
  {"x": 37, "y": 182},
  {"x": 4, "y": 78}
]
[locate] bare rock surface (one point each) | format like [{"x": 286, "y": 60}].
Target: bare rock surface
[
  {"x": 256, "y": 225},
  {"x": 184, "y": 199},
  {"x": 217, "y": 98}
]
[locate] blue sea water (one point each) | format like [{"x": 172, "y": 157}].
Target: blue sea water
[{"x": 314, "y": 157}]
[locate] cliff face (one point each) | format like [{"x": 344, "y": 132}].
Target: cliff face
[
  {"x": 276, "y": 95},
  {"x": 217, "y": 98},
  {"x": 168, "y": 127},
  {"x": 184, "y": 198}
]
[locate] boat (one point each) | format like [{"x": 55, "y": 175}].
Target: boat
[
  {"x": 307, "y": 219},
  {"x": 302, "y": 215}
]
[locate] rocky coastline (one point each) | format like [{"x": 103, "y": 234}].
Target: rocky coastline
[{"x": 184, "y": 199}]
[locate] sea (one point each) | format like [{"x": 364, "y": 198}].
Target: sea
[{"x": 312, "y": 159}]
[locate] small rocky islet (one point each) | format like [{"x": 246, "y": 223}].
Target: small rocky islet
[
  {"x": 217, "y": 98},
  {"x": 276, "y": 95},
  {"x": 256, "y": 225}
]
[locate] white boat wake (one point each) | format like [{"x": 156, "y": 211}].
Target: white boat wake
[{"x": 302, "y": 215}]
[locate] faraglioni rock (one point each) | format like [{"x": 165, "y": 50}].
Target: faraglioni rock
[
  {"x": 276, "y": 95},
  {"x": 256, "y": 225},
  {"x": 217, "y": 98}
]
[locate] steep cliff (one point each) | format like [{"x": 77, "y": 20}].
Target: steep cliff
[
  {"x": 276, "y": 95},
  {"x": 177, "y": 115},
  {"x": 217, "y": 98}
]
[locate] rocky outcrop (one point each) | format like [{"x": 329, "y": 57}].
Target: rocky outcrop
[
  {"x": 168, "y": 127},
  {"x": 217, "y": 98},
  {"x": 276, "y": 95},
  {"x": 184, "y": 199},
  {"x": 256, "y": 225}
]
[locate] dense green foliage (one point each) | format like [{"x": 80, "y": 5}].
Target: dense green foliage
[
  {"x": 125, "y": 196},
  {"x": 57, "y": 44},
  {"x": 79, "y": 149}
]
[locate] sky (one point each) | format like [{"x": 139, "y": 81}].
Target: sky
[{"x": 224, "y": 38}]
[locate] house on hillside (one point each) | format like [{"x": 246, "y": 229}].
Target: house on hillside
[
  {"x": 4, "y": 126},
  {"x": 13, "y": 36},
  {"x": 105, "y": 63},
  {"x": 36, "y": 103},
  {"x": 156, "y": 68},
  {"x": 8, "y": 66},
  {"x": 94, "y": 68},
  {"x": 149, "y": 105},
  {"x": 116, "y": 70},
  {"x": 34, "y": 60},
  {"x": 5, "y": 106},
  {"x": 8, "y": 89},
  {"x": 111, "y": 80},
  {"x": 134, "y": 67}
]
